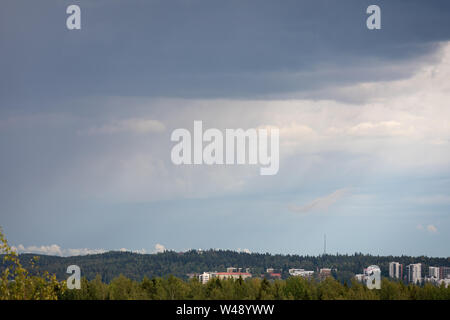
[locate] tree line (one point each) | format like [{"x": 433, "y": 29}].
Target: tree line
[
  {"x": 293, "y": 288},
  {"x": 18, "y": 282},
  {"x": 137, "y": 266}
]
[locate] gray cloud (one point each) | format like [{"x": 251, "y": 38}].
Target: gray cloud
[
  {"x": 132, "y": 125},
  {"x": 370, "y": 110},
  {"x": 198, "y": 49}
]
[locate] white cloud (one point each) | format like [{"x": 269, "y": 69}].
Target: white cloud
[
  {"x": 56, "y": 250},
  {"x": 52, "y": 250},
  {"x": 432, "y": 229},
  {"x": 141, "y": 251},
  {"x": 159, "y": 248},
  {"x": 82, "y": 251},
  {"x": 380, "y": 129},
  {"x": 322, "y": 203}
]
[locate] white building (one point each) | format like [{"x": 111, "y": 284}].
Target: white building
[
  {"x": 204, "y": 277},
  {"x": 300, "y": 273},
  {"x": 433, "y": 272},
  {"x": 233, "y": 275},
  {"x": 414, "y": 273},
  {"x": 395, "y": 270},
  {"x": 295, "y": 271}
]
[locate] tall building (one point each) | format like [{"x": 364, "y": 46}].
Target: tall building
[
  {"x": 433, "y": 272},
  {"x": 204, "y": 277},
  {"x": 396, "y": 270},
  {"x": 414, "y": 272},
  {"x": 444, "y": 273}
]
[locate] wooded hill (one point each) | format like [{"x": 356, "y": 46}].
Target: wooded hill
[{"x": 135, "y": 266}]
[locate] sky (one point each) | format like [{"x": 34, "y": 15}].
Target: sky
[{"x": 86, "y": 118}]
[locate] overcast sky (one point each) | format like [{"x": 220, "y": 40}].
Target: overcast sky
[{"x": 364, "y": 117}]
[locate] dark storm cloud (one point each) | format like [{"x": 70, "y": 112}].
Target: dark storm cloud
[{"x": 204, "y": 48}]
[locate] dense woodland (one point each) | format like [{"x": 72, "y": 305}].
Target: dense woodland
[
  {"x": 117, "y": 275},
  {"x": 137, "y": 266},
  {"x": 293, "y": 288}
]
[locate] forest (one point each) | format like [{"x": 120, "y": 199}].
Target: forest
[
  {"x": 136, "y": 266},
  {"x": 293, "y": 288},
  {"x": 127, "y": 277}
]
